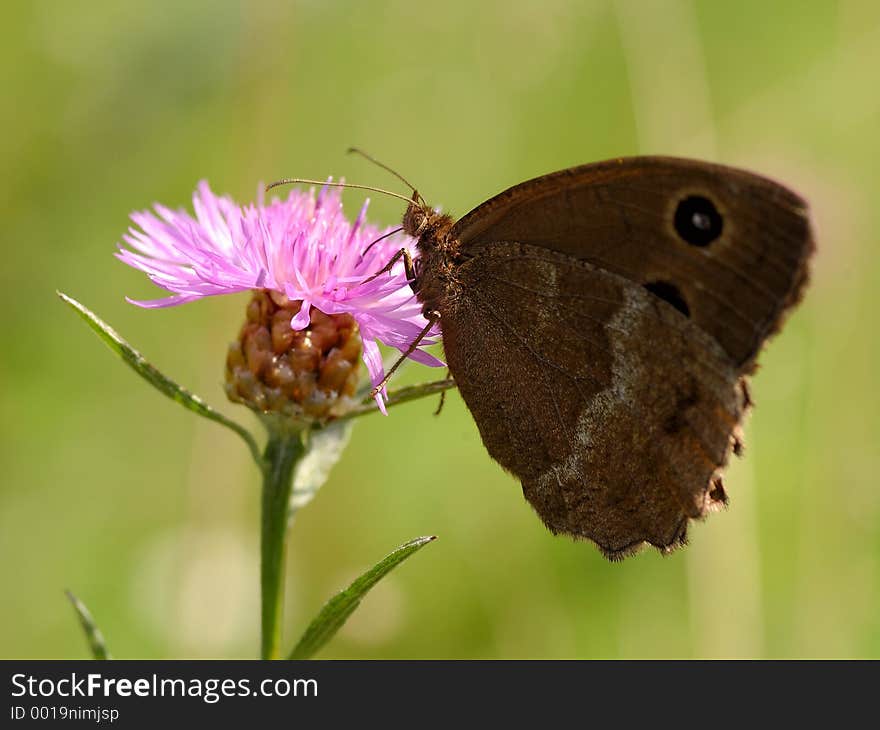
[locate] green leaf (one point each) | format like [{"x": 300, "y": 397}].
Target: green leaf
[
  {"x": 337, "y": 610},
  {"x": 92, "y": 632},
  {"x": 325, "y": 447},
  {"x": 157, "y": 379}
]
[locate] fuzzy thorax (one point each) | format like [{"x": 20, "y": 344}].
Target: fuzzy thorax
[{"x": 438, "y": 254}]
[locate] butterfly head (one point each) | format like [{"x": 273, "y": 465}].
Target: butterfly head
[
  {"x": 415, "y": 219},
  {"x": 421, "y": 221}
]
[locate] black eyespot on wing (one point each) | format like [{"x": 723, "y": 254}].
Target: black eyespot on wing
[
  {"x": 698, "y": 221},
  {"x": 669, "y": 293}
]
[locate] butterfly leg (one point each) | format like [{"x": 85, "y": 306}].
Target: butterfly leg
[
  {"x": 433, "y": 318},
  {"x": 442, "y": 396},
  {"x": 408, "y": 266}
]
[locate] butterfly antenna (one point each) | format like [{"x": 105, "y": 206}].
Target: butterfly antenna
[
  {"x": 305, "y": 181},
  {"x": 358, "y": 151}
]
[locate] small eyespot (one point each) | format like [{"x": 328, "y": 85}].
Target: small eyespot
[
  {"x": 698, "y": 221},
  {"x": 669, "y": 293}
]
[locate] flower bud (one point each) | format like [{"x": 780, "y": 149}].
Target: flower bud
[{"x": 309, "y": 374}]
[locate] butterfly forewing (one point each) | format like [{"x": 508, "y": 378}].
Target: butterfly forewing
[{"x": 727, "y": 247}]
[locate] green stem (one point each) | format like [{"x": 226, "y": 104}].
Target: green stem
[{"x": 283, "y": 451}]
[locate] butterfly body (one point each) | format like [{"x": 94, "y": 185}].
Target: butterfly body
[{"x": 599, "y": 323}]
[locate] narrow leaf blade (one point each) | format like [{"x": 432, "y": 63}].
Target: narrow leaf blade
[
  {"x": 156, "y": 378},
  {"x": 94, "y": 637},
  {"x": 401, "y": 395},
  {"x": 337, "y": 610}
]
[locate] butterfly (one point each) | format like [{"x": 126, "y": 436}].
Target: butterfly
[{"x": 601, "y": 323}]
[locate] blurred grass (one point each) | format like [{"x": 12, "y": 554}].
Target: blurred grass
[{"x": 149, "y": 515}]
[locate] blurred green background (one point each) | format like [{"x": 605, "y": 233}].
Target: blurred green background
[{"x": 150, "y": 514}]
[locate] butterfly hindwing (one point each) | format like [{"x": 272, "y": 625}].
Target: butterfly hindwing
[{"x": 613, "y": 409}]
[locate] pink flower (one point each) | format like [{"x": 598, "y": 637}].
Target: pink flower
[{"x": 303, "y": 247}]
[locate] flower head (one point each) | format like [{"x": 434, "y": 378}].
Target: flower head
[{"x": 302, "y": 248}]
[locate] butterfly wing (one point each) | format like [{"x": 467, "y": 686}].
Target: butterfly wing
[
  {"x": 725, "y": 246},
  {"x": 616, "y": 412}
]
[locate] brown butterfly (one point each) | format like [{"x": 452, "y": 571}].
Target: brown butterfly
[{"x": 600, "y": 323}]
